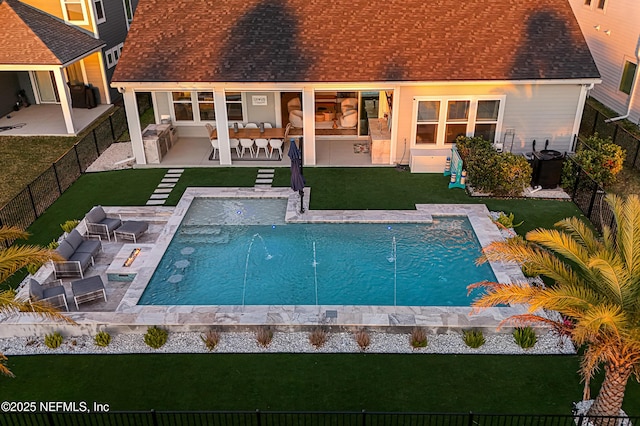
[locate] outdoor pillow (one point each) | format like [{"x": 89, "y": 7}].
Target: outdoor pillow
[
  {"x": 35, "y": 290},
  {"x": 75, "y": 239},
  {"x": 65, "y": 250}
]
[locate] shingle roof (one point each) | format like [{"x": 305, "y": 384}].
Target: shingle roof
[
  {"x": 353, "y": 41},
  {"x": 30, "y": 36}
]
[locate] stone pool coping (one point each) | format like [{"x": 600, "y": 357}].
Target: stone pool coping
[{"x": 130, "y": 317}]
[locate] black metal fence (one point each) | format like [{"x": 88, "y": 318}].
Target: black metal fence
[
  {"x": 594, "y": 121},
  {"x": 259, "y": 418},
  {"x": 44, "y": 190}
]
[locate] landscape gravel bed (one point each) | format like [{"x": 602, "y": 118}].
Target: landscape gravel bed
[{"x": 287, "y": 342}]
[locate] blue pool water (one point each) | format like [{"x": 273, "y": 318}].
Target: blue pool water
[{"x": 230, "y": 252}]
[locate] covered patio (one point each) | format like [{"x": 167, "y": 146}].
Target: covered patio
[{"x": 48, "y": 120}]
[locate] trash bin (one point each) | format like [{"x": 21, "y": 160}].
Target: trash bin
[{"x": 547, "y": 168}]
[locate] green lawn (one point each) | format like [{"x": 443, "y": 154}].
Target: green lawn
[{"x": 375, "y": 382}]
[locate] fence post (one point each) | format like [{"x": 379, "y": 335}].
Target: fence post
[
  {"x": 593, "y": 200},
  {"x": 364, "y": 418},
  {"x": 95, "y": 141},
  {"x": 635, "y": 157},
  {"x": 576, "y": 183},
  {"x": 258, "y": 418},
  {"x": 595, "y": 122},
  {"x": 580, "y": 420},
  {"x": 33, "y": 203},
  {"x": 55, "y": 172},
  {"x": 113, "y": 133},
  {"x": 470, "y": 422},
  {"x": 75, "y": 149},
  {"x": 154, "y": 418},
  {"x": 615, "y": 132}
]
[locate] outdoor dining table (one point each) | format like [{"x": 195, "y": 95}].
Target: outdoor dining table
[{"x": 270, "y": 133}]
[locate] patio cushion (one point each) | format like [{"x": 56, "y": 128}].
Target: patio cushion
[
  {"x": 111, "y": 223},
  {"x": 83, "y": 258},
  {"x": 35, "y": 290},
  {"x": 65, "y": 250},
  {"x": 96, "y": 215},
  {"x": 53, "y": 291},
  {"x": 89, "y": 246},
  {"x": 75, "y": 239}
]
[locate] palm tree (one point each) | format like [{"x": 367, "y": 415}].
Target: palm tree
[
  {"x": 596, "y": 288},
  {"x": 12, "y": 259}
]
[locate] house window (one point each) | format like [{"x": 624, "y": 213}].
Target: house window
[
  {"x": 234, "y": 106},
  {"x": 601, "y": 4},
  {"x": 487, "y": 119},
  {"x": 206, "y": 106},
  {"x": 99, "y": 7},
  {"x": 109, "y": 55},
  {"x": 441, "y": 121},
  {"x": 427, "y": 127},
  {"x": 128, "y": 10},
  {"x": 113, "y": 55},
  {"x": 587, "y": 2},
  {"x": 457, "y": 119},
  {"x": 628, "y": 74},
  {"x": 74, "y": 11},
  {"x": 182, "y": 106}
]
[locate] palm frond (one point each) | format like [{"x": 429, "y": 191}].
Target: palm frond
[
  {"x": 627, "y": 215},
  {"x": 613, "y": 275},
  {"x": 602, "y": 320},
  {"x": 592, "y": 357},
  {"x": 10, "y": 305},
  {"x": 580, "y": 232},
  {"x": 571, "y": 300},
  {"x": 527, "y": 319},
  {"x": 16, "y": 257},
  {"x": 8, "y": 233},
  {"x": 3, "y": 368},
  {"x": 562, "y": 244},
  {"x": 499, "y": 293}
]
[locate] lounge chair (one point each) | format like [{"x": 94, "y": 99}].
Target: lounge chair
[
  {"x": 98, "y": 223},
  {"x": 88, "y": 289},
  {"x": 52, "y": 293},
  {"x": 78, "y": 253}
]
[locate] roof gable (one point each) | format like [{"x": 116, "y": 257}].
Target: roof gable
[
  {"x": 353, "y": 40},
  {"x": 30, "y": 36}
]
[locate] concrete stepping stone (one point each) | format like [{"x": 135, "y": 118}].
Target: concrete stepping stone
[
  {"x": 159, "y": 196},
  {"x": 162, "y": 190},
  {"x": 169, "y": 180},
  {"x": 155, "y": 202},
  {"x": 166, "y": 185},
  {"x": 264, "y": 180},
  {"x": 266, "y": 170},
  {"x": 175, "y": 170}
]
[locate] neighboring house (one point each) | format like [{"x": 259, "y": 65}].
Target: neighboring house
[
  {"x": 508, "y": 70},
  {"x": 53, "y": 49},
  {"x": 612, "y": 31}
]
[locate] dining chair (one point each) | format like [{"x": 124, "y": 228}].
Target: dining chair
[
  {"x": 275, "y": 144},
  {"x": 216, "y": 145},
  {"x": 246, "y": 144},
  {"x": 235, "y": 144},
  {"x": 262, "y": 143},
  {"x": 251, "y": 126},
  {"x": 240, "y": 125},
  {"x": 268, "y": 126}
]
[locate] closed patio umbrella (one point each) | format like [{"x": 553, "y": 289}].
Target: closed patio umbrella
[{"x": 297, "y": 180}]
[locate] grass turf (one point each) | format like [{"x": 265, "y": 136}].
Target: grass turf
[{"x": 375, "y": 382}]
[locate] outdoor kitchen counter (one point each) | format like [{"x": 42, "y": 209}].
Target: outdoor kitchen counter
[{"x": 380, "y": 140}]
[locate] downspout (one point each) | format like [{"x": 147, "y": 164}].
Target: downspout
[{"x": 634, "y": 85}]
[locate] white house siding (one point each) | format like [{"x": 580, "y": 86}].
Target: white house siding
[
  {"x": 534, "y": 111},
  {"x": 622, "y": 19}
]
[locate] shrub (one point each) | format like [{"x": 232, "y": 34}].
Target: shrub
[
  {"x": 363, "y": 339},
  {"x": 600, "y": 158},
  {"x": 69, "y": 225},
  {"x": 211, "y": 339},
  {"x": 418, "y": 338},
  {"x": 318, "y": 337},
  {"x": 53, "y": 245},
  {"x": 156, "y": 337},
  {"x": 102, "y": 339},
  {"x": 501, "y": 174},
  {"x": 507, "y": 221},
  {"x": 53, "y": 340},
  {"x": 264, "y": 335},
  {"x": 33, "y": 268},
  {"x": 525, "y": 337},
  {"x": 473, "y": 338}
]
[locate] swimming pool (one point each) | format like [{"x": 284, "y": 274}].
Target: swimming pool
[{"x": 241, "y": 252}]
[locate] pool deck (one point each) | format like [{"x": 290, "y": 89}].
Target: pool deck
[{"x": 121, "y": 313}]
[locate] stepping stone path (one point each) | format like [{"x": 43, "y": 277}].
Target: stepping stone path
[
  {"x": 165, "y": 187},
  {"x": 265, "y": 178}
]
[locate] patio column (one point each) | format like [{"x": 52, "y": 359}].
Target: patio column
[
  {"x": 579, "y": 109},
  {"x": 65, "y": 100},
  {"x": 222, "y": 124},
  {"x": 309, "y": 128},
  {"x": 395, "y": 119},
  {"x": 133, "y": 120}
]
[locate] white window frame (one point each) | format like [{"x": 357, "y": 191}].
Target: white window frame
[
  {"x": 442, "y": 117},
  {"x": 195, "y": 106},
  {"x": 99, "y": 4},
  {"x": 112, "y": 56},
  {"x": 242, "y": 102},
  {"x": 597, "y": 5},
  {"x": 84, "y": 21},
  {"x": 127, "y": 8}
]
